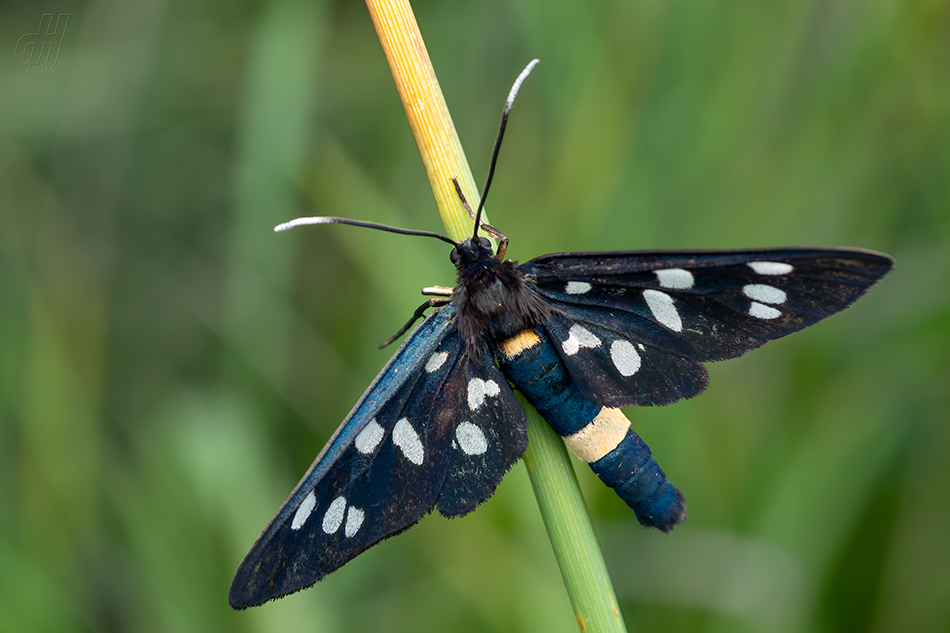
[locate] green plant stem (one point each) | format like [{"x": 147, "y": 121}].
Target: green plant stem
[
  {"x": 559, "y": 498},
  {"x": 569, "y": 528}
]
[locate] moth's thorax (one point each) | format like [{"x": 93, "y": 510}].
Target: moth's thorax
[{"x": 493, "y": 299}]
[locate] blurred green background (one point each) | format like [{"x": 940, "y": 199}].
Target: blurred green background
[{"x": 169, "y": 366}]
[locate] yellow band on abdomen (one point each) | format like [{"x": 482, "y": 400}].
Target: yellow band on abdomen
[
  {"x": 525, "y": 339},
  {"x": 602, "y": 435}
]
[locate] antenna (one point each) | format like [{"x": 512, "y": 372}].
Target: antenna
[
  {"x": 320, "y": 219},
  {"x": 509, "y": 102}
]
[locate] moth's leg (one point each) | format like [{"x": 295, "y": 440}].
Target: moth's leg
[
  {"x": 461, "y": 196},
  {"x": 502, "y": 243},
  {"x": 488, "y": 228},
  {"x": 431, "y": 303},
  {"x": 437, "y": 291}
]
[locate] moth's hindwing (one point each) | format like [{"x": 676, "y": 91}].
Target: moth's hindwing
[
  {"x": 617, "y": 367},
  {"x": 379, "y": 474},
  {"x": 490, "y": 433},
  {"x": 656, "y": 314}
]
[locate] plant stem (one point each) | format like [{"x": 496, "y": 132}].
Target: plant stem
[
  {"x": 559, "y": 498},
  {"x": 569, "y": 528},
  {"x": 429, "y": 118}
]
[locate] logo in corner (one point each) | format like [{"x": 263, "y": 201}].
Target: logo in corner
[{"x": 39, "y": 51}]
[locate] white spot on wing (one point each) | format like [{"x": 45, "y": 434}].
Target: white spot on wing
[
  {"x": 304, "y": 511},
  {"x": 577, "y": 287},
  {"x": 676, "y": 278},
  {"x": 479, "y": 389},
  {"x": 405, "y": 437},
  {"x": 436, "y": 361},
  {"x": 625, "y": 357},
  {"x": 354, "y": 519},
  {"x": 762, "y": 311},
  {"x": 334, "y": 516},
  {"x": 577, "y": 337},
  {"x": 763, "y": 293},
  {"x": 369, "y": 438},
  {"x": 771, "y": 268},
  {"x": 471, "y": 439},
  {"x": 661, "y": 305}
]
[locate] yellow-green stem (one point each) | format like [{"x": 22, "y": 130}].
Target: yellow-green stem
[
  {"x": 559, "y": 498},
  {"x": 429, "y": 118}
]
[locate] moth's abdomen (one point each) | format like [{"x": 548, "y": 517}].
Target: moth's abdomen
[
  {"x": 597, "y": 434},
  {"x": 631, "y": 470}
]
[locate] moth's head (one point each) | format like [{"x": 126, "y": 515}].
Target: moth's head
[{"x": 471, "y": 251}]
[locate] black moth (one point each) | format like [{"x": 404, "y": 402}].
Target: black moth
[{"x": 578, "y": 334}]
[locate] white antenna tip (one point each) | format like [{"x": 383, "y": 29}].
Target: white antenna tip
[
  {"x": 515, "y": 87},
  {"x": 300, "y": 222}
]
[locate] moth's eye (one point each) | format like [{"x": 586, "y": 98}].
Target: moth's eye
[
  {"x": 484, "y": 243},
  {"x": 454, "y": 256}
]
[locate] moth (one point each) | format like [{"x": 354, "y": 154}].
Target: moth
[{"x": 579, "y": 335}]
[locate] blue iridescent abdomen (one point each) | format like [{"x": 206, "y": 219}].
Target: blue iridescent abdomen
[{"x": 596, "y": 434}]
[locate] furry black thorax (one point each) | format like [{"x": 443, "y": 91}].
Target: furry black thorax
[{"x": 492, "y": 297}]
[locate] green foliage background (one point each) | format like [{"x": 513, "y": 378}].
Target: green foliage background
[{"x": 169, "y": 367}]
